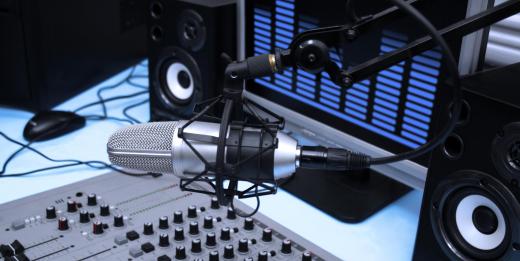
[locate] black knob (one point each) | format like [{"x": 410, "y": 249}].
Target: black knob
[
  {"x": 177, "y": 217},
  {"x": 228, "y": 252},
  {"x": 194, "y": 228},
  {"x": 306, "y": 256},
  {"x": 178, "y": 234},
  {"x": 286, "y": 246},
  {"x": 214, "y": 203},
  {"x": 192, "y": 211},
  {"x": 71, "y": 206},
  {"x": 231, "y": 214},
  {"x": 148, "y": 228},
  {"x": 50, "y": 212},
  {"x": 84, "y": 216},
  {"x": 263, "y": 255},
  {"x": 164, "y": 240},
  {"x": 267, "y": 235},
  {"x": 118, "y": 220},
  {"x": 211, "y": 239},
  {"x": 91, "y": 199},
  {"x": 208, "y": 222},
  {"x": 196, "y": 246},
  {"x": 104, "y": 210},
  {"x": 249, "y": 224},
  {"x": 213, "y": 255},
  {"x": 180, "y": 252},
  {"x": 163, "y": 222},
  {"x": 225, "y": 234},
  {"x": 63, "y": 223},
  {"x": 97, "y": 228},
  {"x": 243, "y": 246}
]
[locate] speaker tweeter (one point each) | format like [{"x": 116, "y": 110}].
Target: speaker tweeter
[{"x": 506, "y": 152}]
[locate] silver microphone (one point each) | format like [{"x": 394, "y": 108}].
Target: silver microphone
[{"x": 157, "y": 147}]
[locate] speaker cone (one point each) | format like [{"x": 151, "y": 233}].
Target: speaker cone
[{"x": 474, "y": 216}]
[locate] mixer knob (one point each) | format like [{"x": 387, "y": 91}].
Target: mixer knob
[
  {"x": 214, "y": 203},
  {"x": 196, "y": 246},
  {"x": 63, "y": 223},
  {"x": 71, "y": 206},
  {"x": 306, "y": 256},
  {"x": 163, "y": 222},
  {"x": 148, "y": 228},
  {"x": 84, "y": 216},
  {"x": 192, "y": 211},
  {"x": 194, "y": 228},
  {"x": 267, "y": 235},
  {"x": 231, "y": 214},
  {"x": 177, "y": 217},
  {"x": 213, "y": 255},
  {"x": 178, "y": 234},
  {"x": 211, "y": 239},
  {"x": 249, "y": 224},
  {"x": 119, "y": 220},
  {"x": 225, "y": 234},
  {"x": 286, "y": 246},
  {"x": 91, "y": 199},
  {"x": 208, "y": 222},
  {"x": 243, "y": 246},
  {"x": 50, "y": 212},
  {"x": 180, "y": 252},
  {"x": 97, "y": 228},
  {"x": 164, "y": 240},
  {"x": 228, "y": 252},
  {"x": 263, "y": 255},
  {"x": 104, "y": 210}
]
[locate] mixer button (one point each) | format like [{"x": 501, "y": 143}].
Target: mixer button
[
  {"x": 163, "y": 222},
  {"x": 148, "y": 228},
  {"x": 231, "y": 214},
  {"x": 225, "y": 234},
  {"x": 71, "y": 206},
  {"x": 208, "y": 222},
  {"x": 211, "y": 239},
  {"x": 194, "y": 228},
  {"x": 243, "y": 246},
  {"x": 228, "y": 252},
  {"x": 84, "y": 217},
  {"x": 18, "y": 224},
  {"x": 306, "y": 256},
  {"x": 97, "y": 228},
  {"x": 120, "y": 240},
  {"x": 17, "y": 246},
  {"x": 119, "y": 220},
  {"x": 63, "y": 223},
  {"x": 249, "y": 224},
  {"x": 164, "y": 258},
  {"x": 178, "y": 234},
  {"x": 267, "y": 235},
  {"x": 196, "y": 246},
  {"x": 192, "y": 211},
  {"x": 164, "y": 240},
  {"x": 263, "y": 255},
  {"x": 135, "y": 252},
  {"x": 20, "y": 257},
  {"x": 180, "y": 252},
  {"x": 132, "y": 235},
  {"x": 177, "y": 217},
  {"x": 50, "y": 212},
  {"x": 104, "y": 210},
  {"x": 147, "y": 247},
  {"x": 214, "y": 203},
  {"x": 91, "y": 199},
  {"x": 286, "y": 246},
  {"x": 213, "y": 256},
  {"x": 6, "y": 250}
]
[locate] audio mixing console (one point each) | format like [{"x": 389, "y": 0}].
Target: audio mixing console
[{"x": 118, "y": 217}]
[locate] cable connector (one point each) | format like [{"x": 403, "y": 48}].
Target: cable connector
[{"x": 317, "y": 157}]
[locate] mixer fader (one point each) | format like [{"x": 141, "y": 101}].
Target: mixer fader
[{"x": 117, "y": 217}]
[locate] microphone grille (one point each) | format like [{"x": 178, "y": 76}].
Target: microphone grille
[{"x": 150, "y": 140}]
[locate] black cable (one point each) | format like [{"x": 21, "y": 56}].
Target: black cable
[
  {"x": 102, "y": 89},
  {"x": 120, "y": 97},
  {"x": 455, "y": 81},
  {"x": 125, "y": 111}
]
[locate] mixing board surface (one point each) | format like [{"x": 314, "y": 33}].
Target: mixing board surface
[{"x": 117, "y": 217}]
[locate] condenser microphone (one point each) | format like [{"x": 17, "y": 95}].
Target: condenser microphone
[{"x": 158, "y": 147}]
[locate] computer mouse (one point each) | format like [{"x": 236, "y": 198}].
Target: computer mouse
[{"x": 46, "y": 125}]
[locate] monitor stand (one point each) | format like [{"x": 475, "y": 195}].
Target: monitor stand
[{"x": 349, "y": 197}]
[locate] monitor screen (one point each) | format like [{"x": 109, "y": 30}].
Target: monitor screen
[{"x": 395, "y": 109}]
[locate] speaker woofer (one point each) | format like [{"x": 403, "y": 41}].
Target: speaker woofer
[
  {"x": 506, "y": 152},
  {"x": 474, "y": 216}
]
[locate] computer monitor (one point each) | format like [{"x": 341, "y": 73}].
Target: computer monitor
[{"x": 391, "y": 112}]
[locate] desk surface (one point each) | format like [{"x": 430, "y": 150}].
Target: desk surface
[{"x": 387, "y": 235}]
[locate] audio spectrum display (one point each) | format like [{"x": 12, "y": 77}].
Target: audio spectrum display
[{"x": 396, "y": 105}]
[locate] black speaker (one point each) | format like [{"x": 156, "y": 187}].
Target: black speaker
[
  {"x": 186, "y": 43},
  {"x": 471, "y": 203}
]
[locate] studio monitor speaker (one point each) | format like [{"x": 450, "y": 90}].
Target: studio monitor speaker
[
  {"x": 471, "y": 203},
  {"x": 186, "y": 43}
]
